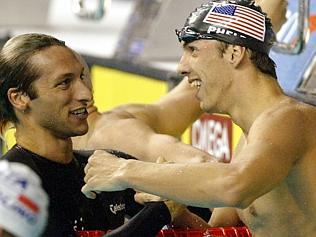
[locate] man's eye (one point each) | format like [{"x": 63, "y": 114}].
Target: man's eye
[
  {"x": 65, "y": 82},
  {"x": 83, "y": 76},
  {"x": 192, "y": 49}
]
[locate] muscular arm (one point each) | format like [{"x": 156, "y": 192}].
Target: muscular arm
[
  {"x": 172, "y": 114},
  {"x": 138, "y": 139},
  {"x": 144, "y": 130},
  {"x": 272, "y": 148}
]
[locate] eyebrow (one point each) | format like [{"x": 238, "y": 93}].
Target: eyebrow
[
  {"x": 188, "y": 44},
  {"x": 70, "y": 74},
  {"x": 63, "y": 76},
  {"x": 185, "y": 44}
]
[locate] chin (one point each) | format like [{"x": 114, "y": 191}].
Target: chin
[
  {"x": 208, "y": 108},
  {"x": 81, "y": 132},
  {"x": 203, "y": 107}
]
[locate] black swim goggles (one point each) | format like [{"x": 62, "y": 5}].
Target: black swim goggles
[{"x": 188, "y": 35}]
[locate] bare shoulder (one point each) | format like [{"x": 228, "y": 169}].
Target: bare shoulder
[
  {"x": 308, "y": 122},
  {"x": 290, "y": 120},
  {"x": 289, "y": 112}
]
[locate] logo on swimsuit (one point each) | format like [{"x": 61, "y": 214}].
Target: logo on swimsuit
[
  {"x": 117, "y": 207},
  {"x": 218, "y": 30}
]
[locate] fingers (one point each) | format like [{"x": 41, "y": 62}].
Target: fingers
[
  {"x": 87, "y": 192},
  {"x": 89, "y": 171},
  {"x": 139, "y": 198},
  {"x": 94, "y": 159},
  {"x": 176, "y": 209},
  {"x": 99, "y": 152},
  {"x": 146, "y": 197},
  {"x": 101, "y": 174},
  {"x": 86, "y": 168},
  {"x": 87, "y": 177}
]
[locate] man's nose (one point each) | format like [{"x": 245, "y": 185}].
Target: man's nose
[
  {"x": 82, "y": 91},
  {"x": 183, "y": 66}
]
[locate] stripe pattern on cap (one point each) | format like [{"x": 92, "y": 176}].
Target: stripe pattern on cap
[{"x": 238, "y": 18}]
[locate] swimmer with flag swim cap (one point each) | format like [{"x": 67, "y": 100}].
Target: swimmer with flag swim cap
[{"x": 269, "y": 184}]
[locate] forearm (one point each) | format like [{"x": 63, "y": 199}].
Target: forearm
[
  {"x": 173, "y": 150},
  {"x": 178, "y": 109},
  {"x": 139, "y": 140},
  {"x": 172, "y": 113},
  {"x": 203, "y": 185}
]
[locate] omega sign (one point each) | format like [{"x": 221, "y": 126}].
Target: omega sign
[{"x": 213, "y": 134}]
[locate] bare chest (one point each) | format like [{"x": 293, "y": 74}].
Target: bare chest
[{"x": 278, "y": 214}]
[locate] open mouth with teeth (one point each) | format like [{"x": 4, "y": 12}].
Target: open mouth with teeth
[
  {"x": 196, "y": 83},
  {"x": 78, "y": 112}
]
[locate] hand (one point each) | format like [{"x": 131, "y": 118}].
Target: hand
[
  {"x": 142, "y": 198},
  {"x": 177, "y": 211},
  {"x": 181, "y": 217},
  {"x": 103, "y": 173}
]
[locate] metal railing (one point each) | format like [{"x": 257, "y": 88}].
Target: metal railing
[{"x": 301, "y": 39}]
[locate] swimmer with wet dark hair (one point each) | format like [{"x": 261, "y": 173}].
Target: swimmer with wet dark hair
[{"x": 45, "y": 93}]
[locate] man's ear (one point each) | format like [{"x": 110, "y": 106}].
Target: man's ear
[
  {"x": 18, "y": 99},
  {"x": 234, "y": 54}
]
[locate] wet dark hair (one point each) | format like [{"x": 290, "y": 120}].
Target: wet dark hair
[
  {"x": 17, "y": 71},
  {"x": 260, "y": 60}
]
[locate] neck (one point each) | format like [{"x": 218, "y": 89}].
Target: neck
[
  {"x": 253, "y": 97},
  {"x": 44, "y": 144}
]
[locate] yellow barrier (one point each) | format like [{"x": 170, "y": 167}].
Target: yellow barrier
[{"x": 113, "y": 87}]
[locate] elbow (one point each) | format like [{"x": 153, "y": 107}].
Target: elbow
[
  {"x": 230, "y": 194},
  {"x": 235, "y": 193},
  {"x": 231, "y": 188}
]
